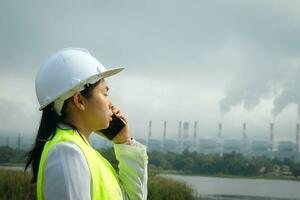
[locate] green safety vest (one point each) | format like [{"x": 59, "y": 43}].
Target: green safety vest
[{"x": 105, "y": 184}]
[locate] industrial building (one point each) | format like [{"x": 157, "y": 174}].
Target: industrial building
[{"x": 222, "y": 145}]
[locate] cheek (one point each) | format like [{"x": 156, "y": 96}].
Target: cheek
[
  {"x": 103, "y": 112},
  {"x": 101, "y": 104}
]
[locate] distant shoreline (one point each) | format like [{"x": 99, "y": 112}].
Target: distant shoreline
[
  {"x": 290, "y": 178},
  {"x": 20, "y": 167},
  {"x": 14, "y": 167},
  {"x": 12, "y": 164}
]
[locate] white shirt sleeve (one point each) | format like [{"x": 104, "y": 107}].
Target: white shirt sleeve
[
  {"x": 66, "y": 173},
  {"x": 133, "y": 168}
]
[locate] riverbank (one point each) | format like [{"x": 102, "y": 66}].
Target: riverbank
[
  {"x": 174, "y": 172},
  {"x": 215, "y": 188},
  {"x": 20, "y": 167}
]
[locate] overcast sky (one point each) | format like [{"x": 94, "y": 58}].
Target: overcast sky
[{"x": 206, "y": 61}]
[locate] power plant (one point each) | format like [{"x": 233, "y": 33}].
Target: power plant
[{"x": 222, "y": 145}]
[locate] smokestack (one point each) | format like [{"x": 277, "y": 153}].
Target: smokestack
[
  {"x": 272, "y": 136},
  {"x": 179, "y": 130},
  {"x": 220, "y": 131},
  {"x": 150, "y": 127},
  {"x": 164, "y": 134},
  {"x": 244, "y": 131},
  {"x": 179, "y": 136},
  {"x": 195, "y": 134},
  {"x": 149, "y": 132},
  {"x": 185, "y": 130},
  {"x": 297, "y": 138},
  {"x": 272, "y": 132},
  {"x": 165, "y": 129},
  {"x": 19, "y": 141}
]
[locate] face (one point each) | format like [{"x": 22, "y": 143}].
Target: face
[{"x": 98, "y": 108}]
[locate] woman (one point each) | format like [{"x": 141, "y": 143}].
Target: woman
[{"x": 73, "y": 96}]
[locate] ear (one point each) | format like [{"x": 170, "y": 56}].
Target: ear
[{"x": 78, "y": 101}]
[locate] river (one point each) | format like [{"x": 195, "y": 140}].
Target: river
[
  {"x": 214, "y": 188},
  {"x": 241, "y": 188}
]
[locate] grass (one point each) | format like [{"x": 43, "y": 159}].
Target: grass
[{"x": 15, "y": 185}]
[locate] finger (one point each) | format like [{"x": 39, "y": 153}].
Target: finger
[
  {"x": 124, "y": 119},
  {"x": 119, "y": 114},
  {"x": 122, "y": 116},
  {"x": 115, "y": 110}
]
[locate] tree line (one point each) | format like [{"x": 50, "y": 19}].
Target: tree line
[
  {"x": 227, "y": 164},
  {"x": 191, "y": 162}
]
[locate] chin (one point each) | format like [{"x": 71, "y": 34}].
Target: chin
[
  {"x": 103, "y": 126},
  {"x": 106, "y": 125}
]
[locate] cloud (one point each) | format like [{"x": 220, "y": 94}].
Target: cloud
[
  {"x": 289, "y": 91},
  {"x": 264, "y": 77},
  {"x": 184, "y": 60}
]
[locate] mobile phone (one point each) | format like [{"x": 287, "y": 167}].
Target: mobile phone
[{"x": 114, "y": 127}]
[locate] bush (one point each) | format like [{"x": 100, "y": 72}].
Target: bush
[
  {"x": 160, "y": 188},
  {"x": 16, "y": 185},
  {"x": 10, "y": 155},
  {"x": 296, "y": 171}
]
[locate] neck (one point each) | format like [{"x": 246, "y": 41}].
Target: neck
[
  {"x": 79, "y": 127},
  {"x": 86, "y": 133}
]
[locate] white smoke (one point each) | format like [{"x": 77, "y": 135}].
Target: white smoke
[{"x": 278, "y": 79}]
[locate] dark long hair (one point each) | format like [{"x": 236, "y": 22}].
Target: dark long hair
[{"x": 46, "y": 131}]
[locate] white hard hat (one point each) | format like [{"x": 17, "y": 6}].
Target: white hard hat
[{"x": 66, "y": 72}]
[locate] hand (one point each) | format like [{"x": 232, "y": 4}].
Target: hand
[{"x": 124, "y": 133}]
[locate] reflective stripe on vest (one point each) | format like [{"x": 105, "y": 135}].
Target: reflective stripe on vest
[{"x": 105, "y": 183}]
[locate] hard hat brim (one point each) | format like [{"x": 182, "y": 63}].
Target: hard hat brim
[
  {"x": 111, "y": 72},
  {"x": 104, "y": 74}
]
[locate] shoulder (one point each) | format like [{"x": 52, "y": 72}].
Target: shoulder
[
  {"x": 65, "y": 149},
  {"x": 65, "y": 155},
  {"x": 66, "y": 172}
]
